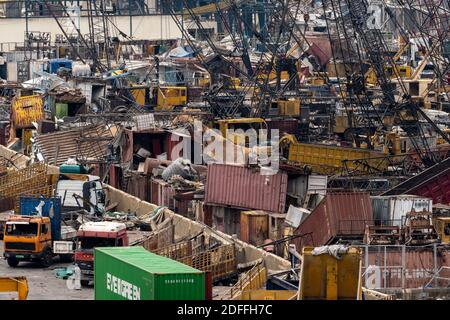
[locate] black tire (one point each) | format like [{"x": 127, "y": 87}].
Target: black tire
[
  {"x": 65, "y": 258},
  {"x": 47, "y": 259},
  {"x": 13, "y": 262},
  {"x": 84, "y": 283}
]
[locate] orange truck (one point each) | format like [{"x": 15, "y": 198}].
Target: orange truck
[{"x": 34, "y": 238}]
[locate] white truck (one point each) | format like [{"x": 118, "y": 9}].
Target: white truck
[{"x": 81, "y": 191}]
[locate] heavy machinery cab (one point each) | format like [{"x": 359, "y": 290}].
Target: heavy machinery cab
[
  {"x": 102, "y": 234},
  {"x": 236, "y": 130},
  {"x": 28, "y": 238},
  {"x": 168, "y": 98},
  {"x": 81, "y": 191},
  {"x": 27, "y": 234},
  {"x": 442, "y": 226},
  {"x": 93, "y": 235}
]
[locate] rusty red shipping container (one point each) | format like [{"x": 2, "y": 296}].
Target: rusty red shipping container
[
  {"x": 431, "y": 183},
  {"x": 209, "y": 285},
  {"x": 139, "y": 186},
  {"x": 437, "y": 188},
  {"x": 342, "y": 213},
  {"x": 162, "y": 194},
  {"x": 386, "y": 269},
  {"x": 289, "y": 126},
  {"x": 245, "y": 188},
  {"x": 4, "y": 133},
  {"x": 207, "y": 215}
]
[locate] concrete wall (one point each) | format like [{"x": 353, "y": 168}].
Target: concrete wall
[{"x": 143, "y": 27}]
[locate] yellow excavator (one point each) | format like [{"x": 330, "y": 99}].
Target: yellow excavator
[{"x": 397, "y": 72}]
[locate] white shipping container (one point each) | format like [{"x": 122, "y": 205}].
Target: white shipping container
[
  {"x": 12, "y": 71},
  {"x": 295, "y": 216},
  {"x": 395, "y": 208},
  {"x": 317, "y": 184}
]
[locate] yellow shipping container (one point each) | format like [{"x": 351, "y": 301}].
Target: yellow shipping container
[
  {"x": 26, "y": 110},
  {"x": 329, "y": 159}
]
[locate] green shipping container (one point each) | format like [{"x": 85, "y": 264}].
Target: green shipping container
[
  {"x": 133, "y": 273},
  {"x": 62, "y": 110}
]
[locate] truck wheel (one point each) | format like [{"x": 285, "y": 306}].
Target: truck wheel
[
  {"x": 13, "y": 262},
  {"x": 84, "y": 283},
  {"x": 47, "y": 259},
  {"x": 65, "y": 258}
]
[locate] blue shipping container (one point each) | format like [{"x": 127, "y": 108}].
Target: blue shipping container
[
  {"x": 55, "y": 64},
  {"x": 28, "y": 208}
]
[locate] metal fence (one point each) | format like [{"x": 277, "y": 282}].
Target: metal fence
[
  {"x": 220, "y": 261},
  {"x": 405, "y": 267}
]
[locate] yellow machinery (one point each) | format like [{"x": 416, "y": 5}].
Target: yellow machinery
[
  {"x": 170, "y": 97},
  {"x": 15, "y": 284},
  {"x": 399, "y": 71},
  {"x": 272, "y": 75},
  {"x": 327, "y": 159},
  {"x": 290, "y": 107},
  {"x": 442, "y": 227},
  {"x": 341, "y": 123},
  {"x": 440, "y": 139},
  {"x": 209, "y": 8},
  {"x": 234, "y": 129},
  {"x": 323, "y": 277},
  {"x": 395, "y": 144},
  {"x": 138, "y": 95}
]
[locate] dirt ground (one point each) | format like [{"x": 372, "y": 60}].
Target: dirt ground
[{"x": 42, "y": 282}]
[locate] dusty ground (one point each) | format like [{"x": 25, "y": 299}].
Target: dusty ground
[{"x": 42, "y": 282}]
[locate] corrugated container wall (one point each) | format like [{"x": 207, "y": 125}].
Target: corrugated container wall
[
  {"x": 337, "y": 214},
  {"x": 133, "y": 273},
  {"x": 49, "y": 206},
  {"x": 392, "y": 209},
  {"x": 403, "y": 266},
  {"x": 245, "y": 188},
  {"x": 437, "y": 188},
  {"x": 254, "y": 227}
]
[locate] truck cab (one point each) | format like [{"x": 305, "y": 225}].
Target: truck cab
[
  {"x": 84, "y": 186},
  {"x": 28, "y": 238},
  {"x": 93, "y": 235},
  {"x": 442, "y": 226}
]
